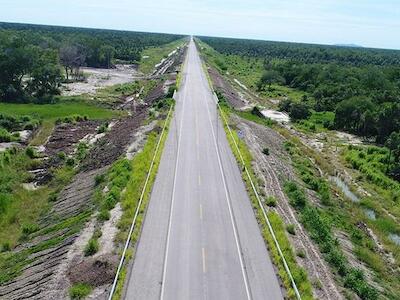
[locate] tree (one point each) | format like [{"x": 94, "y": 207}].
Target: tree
[
  {"x": 268, "y": 78},
  {"x": 393, "y": 144},
  {"x": 46, "y": 77},
  {"x": 299, "y": 111},
  {"x": 16, "y": 60},
  {"x": 72, "y": 57},
  {"x": 107, "y": 54}
]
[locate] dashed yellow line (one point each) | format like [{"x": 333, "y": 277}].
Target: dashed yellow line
[{"x": 203, "y": 253}]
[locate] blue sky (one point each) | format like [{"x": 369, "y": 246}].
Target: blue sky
[{"x": 373, "y": 23}]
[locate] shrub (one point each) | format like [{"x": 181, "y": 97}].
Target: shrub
[
  {"x": 290, "y": 228},
  {"x": 61, "y": 155},
  {"x": 92, "y": 247},
  {"x": 29, "y": 228},
  {"x": 301, "y": 253},
  {"x": 70, "y": 162},
  {"x": 30, "y": 152},
  {"x": 270, "y": 201},
  {"x": 79, "y": 291},
  {"x": 103, "y": 128},
  {"x": 6, "y": 247},
  {"x": 103, "y": 215},
  {"x": 5, "y": 136},
  {"x": 99, "y": 178},
  {"x": 53, "y": 196}
]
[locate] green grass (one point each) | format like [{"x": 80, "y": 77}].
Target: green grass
[
  {"x": 156, "y": 54},
  {"x": 79, "y": 291},
  {"x": 57, "y": 110},
  {"x": 49, "y": 113},
  {"x": 317, "y": 122}
]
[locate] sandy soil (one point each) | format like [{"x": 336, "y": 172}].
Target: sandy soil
[
  {"x": 98, "y": 78},
  {"x": 276, "y": 115}
]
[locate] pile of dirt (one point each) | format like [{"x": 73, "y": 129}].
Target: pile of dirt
[
  {"x": 65, "y": 136},
  {"x": 220, "y": 84},
  {"x": 95, "y": 271},
  {"x": 110, "y": 147}
]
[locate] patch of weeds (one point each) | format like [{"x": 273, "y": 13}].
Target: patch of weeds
[
  {"x": 270, "y": 201},
  {"x": 79, "y": 291},
  {"x": 91, "y": 247},
  {"x": 290, "y": 228},
  {"x": 301, "y": 253}
]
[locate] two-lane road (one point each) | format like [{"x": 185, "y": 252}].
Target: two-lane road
[{"x": 200, "y": 238}]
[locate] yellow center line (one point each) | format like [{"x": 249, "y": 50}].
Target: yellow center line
[{"x": 203, "y": 252}]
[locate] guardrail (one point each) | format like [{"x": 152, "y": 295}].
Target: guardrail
[
  {"x": 121, "y": 262},
  {"x": 271, "y": 230}
]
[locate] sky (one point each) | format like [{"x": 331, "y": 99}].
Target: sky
[{"x": 369, "y": 23}]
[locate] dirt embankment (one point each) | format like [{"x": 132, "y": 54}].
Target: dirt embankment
[
  {"x": 171, "y": 63},
  {"x": 222, "y": 85},
  {"x": 274, "y": 169}
]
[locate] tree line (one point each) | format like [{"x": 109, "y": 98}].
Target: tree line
[
  {"x": 32, "y": 57},
  {"x": 306, "y": 53}
]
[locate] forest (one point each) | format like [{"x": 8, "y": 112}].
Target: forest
[
  {"x": 361, "y": 85},
  {"x": 35, "y": 59}
]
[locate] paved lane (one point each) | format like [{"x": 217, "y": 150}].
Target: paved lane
[{"x": 200, "y": 238}]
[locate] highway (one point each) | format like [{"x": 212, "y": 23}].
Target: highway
[{"x": 200, "y": 238}]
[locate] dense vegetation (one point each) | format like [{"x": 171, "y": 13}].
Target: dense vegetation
[
  {"x": 32, "y": 56},
  {"x": 360, "y": 86},
  {"x": 307, "y": 53}
]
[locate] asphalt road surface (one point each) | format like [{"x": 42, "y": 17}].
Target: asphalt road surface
[{"x": 200, "y": 238}]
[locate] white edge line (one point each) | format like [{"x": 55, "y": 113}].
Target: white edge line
[{"x": 137, "y": 209}]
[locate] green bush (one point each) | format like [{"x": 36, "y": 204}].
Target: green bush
[
  {"x": 99, "y": 178},
  {"x": 70, "y": 162},
  {"x": 92, "y": 247},
  {"x": 80, "y": 291},
  {"x": 30, "y": 152},
  {"x": 61, "y": 155},
  {"x": 103, "y": 215},
  {"x": 266, "y": 151},
  {"x": 270, "y": 201},
  {"x": 103, "y": 128},
  {"x": 5, "y": 136},
  {"x": 290, "y": 228}
]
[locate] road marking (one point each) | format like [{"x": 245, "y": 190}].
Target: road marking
[
  {"x": 172, "y": 198},
  {"x": 229, "y": 205},
  {"x": 203, "y": 254},
  {"x": 199, "y": 179},
  {"x": 201, "y": 212}
]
